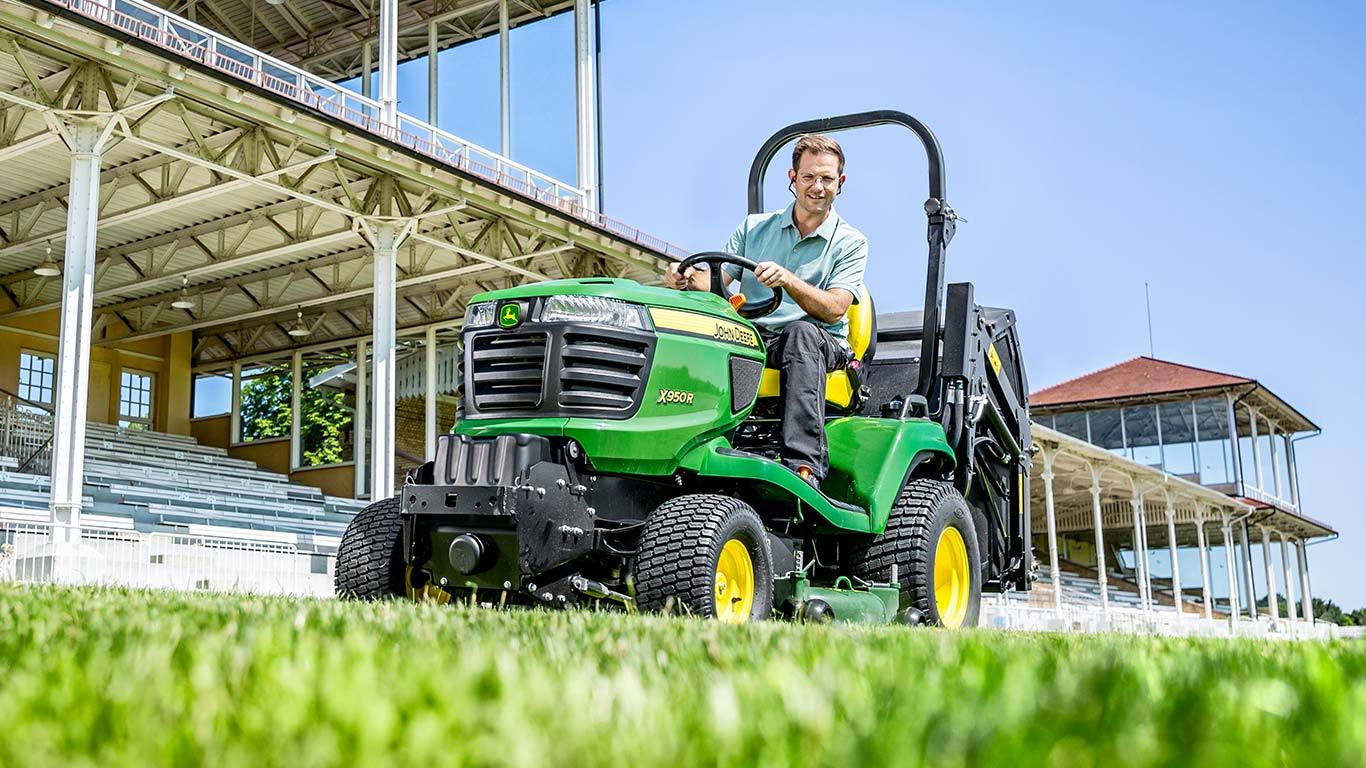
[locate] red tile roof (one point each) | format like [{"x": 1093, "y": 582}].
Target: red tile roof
[{"x": 1134, "y": 378}]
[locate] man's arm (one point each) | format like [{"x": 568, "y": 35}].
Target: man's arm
[
  {"x": 699, "y": 278},
  {"x": 696, "y": 278},
  {"x": 826, "y": 306}
]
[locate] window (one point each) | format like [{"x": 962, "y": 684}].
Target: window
[
  {"x": 36, "y": 376},
  {"x": 266, "y": 404},
  {"x": 1140, "y": 430},
  {"x": 212, "y": 395},
  {"x": 1264, "y": 449},
  {"x": 135, "y": 400},
  {"x": 1073, "y": 425},
  {"x": 1107, "y": 431},
  {"x": 1216, "y": 449},
  {"x": 1178, "y": 438}
]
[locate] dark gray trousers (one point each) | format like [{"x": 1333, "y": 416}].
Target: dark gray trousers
[{"x": 804, "y": 353}]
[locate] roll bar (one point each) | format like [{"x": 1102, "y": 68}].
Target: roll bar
[{"x": 941, "y": 225}]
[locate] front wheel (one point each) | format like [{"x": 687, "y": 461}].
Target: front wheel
[
  {"x": 370, "y": 558},
  {"x": 932, "y": 540},
  {"x": 707, "y": 555}
]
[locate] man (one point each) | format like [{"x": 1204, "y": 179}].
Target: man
[{"x": 817, "y": 259}]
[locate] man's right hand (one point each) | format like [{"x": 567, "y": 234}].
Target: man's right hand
[{"x": 696, "y": 278}]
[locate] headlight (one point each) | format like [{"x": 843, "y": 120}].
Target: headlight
[
  {"x": 479, "y": 315},
  {"x": 594, "y": 310}
]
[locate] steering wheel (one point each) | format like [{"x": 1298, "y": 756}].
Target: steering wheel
[{"x": 749, "y": 310}]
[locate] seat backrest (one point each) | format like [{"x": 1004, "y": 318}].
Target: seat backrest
[{"x": 862, "y": 328}]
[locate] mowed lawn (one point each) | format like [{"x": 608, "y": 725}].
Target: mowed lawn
[{"x": 120, "y": 678}]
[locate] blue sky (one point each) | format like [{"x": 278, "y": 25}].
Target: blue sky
[{"x": 1213, "y": 150}]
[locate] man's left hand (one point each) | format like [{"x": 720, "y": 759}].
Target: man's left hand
[{"x": 773, "y": 275}]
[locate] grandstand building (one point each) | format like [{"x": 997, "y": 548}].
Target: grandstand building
[
  {"x": 1163, "y": 477},
  {"x": 188, "y": 196}
]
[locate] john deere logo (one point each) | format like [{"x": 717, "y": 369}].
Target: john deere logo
[{"x": 509, "y": 315}]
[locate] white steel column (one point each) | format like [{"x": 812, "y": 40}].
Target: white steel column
[
  {"x": 1256, "y": 452},
  {"x": 430, "y": 380},
  {"x": 296, "y": 371},
  {"x": 586, "y": 109},
  {"x": 85, "y": 139},
  {"x": 1140, "y": 566},
  {"x": 1096, "y": 520},
  {"x": 1204, "y": 561},
  {"x": 505, "y": 78},
  {"x": 433, "y": 75},
  {"x": 1176, "y": 564},
  {"x": 1237, "y": 448},
  {"x": 235, "y": 419},
  {"x": 1306, "y": 597},
  {"x": 382, "y": 421},
  {"x": 1227, "y": 529},
  {"x": 1275, "y": 464},
  {"x": 1147, "y": 551},
  {"x": 359, "y": 450},
  {"x": 1052, "y": 530},
  {"x": 1272, "y": 608},
  {"x": 388, "y": 62},
  {"x": 1245, "y": 555},
  {"x": 1292, "y": 470},
  {"x": 1285, "y": 577}
]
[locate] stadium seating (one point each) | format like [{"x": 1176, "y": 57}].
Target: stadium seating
[
  {"x": 158, "y": 482},
  {"x": 1081, "y": 589}
]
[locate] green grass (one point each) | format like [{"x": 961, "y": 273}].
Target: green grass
[{"x": 111, "y": 678}]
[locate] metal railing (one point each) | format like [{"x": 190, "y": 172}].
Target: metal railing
[
  {"x": 1001, "y": 612},
  {"x": 26, "y": 433},
  {"x": 1270, "y": 499},
  {"x": 180, "y": 561},
  {"x": 185, "y": 38},
  {"x": 410, "y": 373}
]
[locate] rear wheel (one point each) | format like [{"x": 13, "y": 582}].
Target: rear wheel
[
  {"x": 370, "y": 558},
  {"x": 708, "y": 555},
  {"x": 931, "y": 538}
]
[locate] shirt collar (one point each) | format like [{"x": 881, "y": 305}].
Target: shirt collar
[{"x": 825, "y": 231}]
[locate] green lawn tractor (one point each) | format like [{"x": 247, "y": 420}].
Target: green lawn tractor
[{"x": 618, "y": 443}]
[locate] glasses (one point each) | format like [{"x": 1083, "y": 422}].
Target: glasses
[{"x": 807, "y": 179}]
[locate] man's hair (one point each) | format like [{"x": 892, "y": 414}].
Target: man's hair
[{"x": 816, "y": 144}]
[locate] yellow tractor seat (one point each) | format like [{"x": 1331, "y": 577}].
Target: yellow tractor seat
[{"x": 841, "y": 387}]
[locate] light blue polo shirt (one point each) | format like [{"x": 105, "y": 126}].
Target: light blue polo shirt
[{"x": 833, "y": 256}]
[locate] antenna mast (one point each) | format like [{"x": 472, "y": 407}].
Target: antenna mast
[{"x": 1148, "y": 302}]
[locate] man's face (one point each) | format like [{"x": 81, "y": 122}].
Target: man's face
[{"x": 817, "y": 180}]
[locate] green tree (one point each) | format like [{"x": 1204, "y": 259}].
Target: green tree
[
  {"x": 266, "y": 413},
  {"x": 1327, "y": 610}
]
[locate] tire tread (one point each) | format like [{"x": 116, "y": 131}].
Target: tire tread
[
  {"x": 906, "y": 541},
  {"x": 671, "y": 564},
  {"x": 369, "y": 563}
]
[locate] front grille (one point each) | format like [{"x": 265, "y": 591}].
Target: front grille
[
  {"x": 507, "y": 370},
  {"x": 600, "y": 371},
  {"x": 557, "y": 370}
]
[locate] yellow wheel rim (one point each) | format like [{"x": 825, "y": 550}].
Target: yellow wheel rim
[
  {"x": 952, "y": 578},
  {"x": 734, "y": 583}
]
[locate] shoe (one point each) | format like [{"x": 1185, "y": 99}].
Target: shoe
[{"x": 808, "y": 475}]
